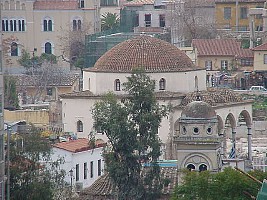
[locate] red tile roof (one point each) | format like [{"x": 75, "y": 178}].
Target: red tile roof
[
  {"x": 262, "y": 47},
  {"x": 239, "y": 1},
  {"x": 55, "y": 5},
  {"x": 78, "y": 145},
  {"x": 220, "y": 47}
]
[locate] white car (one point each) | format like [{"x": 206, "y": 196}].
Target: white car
[{"x": 258, "y": 89}]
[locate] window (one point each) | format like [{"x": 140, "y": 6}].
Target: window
[
  {"x": 79, "y": 126},
  {"x": 99, "y": 167},
  {"x": 47, "y": 25},
  {"x": 136, "y": 22},
  {"x": 85, "y": 170},
  {"x": 227, "y": 13},
  {"x": 265, "y": 59},
  {"x": 243, "y": 13},
  {"x": 208, "y": 64},
  {"x": 209, "y": 130},
  {"x": 17, "y": 5},
  {"x": 76, "y": 25},
  {"x": 91, "y": 169},
  {"x": 191, "y": 167},
  {"x": 14, "y": 49},
  {"x": 49, "y": 91},
  {"x": 77, "y": 172},
  {"x": 117, "y": 85},
  {"x": 21, "y": 24},
  {"x": 224, "y": 65},
  {"x": 246, "y": 62},
  {"x": 162, "y": 84},
  {"x": 148, "y": 20},
  {"x": 81, "y": 3},
  {"x": 162, "y": 20},
  {"x": 259, "y": 28},
  {"x": 202, "y": 167},
  {"x": 196, "y": 83},
  {"x": 196, "y": 131},
  {"x": 108, "y": 3},
  {"x": 258, "y": 16},
  {"x": 4, "y": 25},
  {"x": 48, "y": 48}
]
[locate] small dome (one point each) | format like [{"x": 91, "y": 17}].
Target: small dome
[
  {"x": 198, "y": 109},
  {"x": 152, "y": 54}
]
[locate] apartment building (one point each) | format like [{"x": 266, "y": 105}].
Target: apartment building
[{"x": 37, "y": 25}]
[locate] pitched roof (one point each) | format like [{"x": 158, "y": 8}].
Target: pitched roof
[
  {"x": 220, "y": 47},
  {"x": 104, "y": 187},
  {"x": 262, "y": 47},
  {"x": 78, "y": 145},
  {"x": 53, "y": 80}
]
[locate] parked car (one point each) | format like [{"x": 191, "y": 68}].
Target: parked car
[{"x": 258, "y": 89}]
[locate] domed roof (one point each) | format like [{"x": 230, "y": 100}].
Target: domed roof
[
  {"x": 198, "y": 109},
  {"x": 152, "y": 54}
]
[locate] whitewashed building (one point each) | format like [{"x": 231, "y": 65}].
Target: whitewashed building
[
  {"x": 82, "y": 164},
  {"x": 178, "y": 82}
]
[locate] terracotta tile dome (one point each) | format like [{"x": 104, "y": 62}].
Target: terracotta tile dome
[{"x": 153, "y": 54}]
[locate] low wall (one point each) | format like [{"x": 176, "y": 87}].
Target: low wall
[{"x": 36, "y": 117}]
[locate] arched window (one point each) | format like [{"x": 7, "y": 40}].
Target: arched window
[
  {"x": 13, "y": 25},
  {"x": 196, "y": 83},
  {"x": 5, "y": 25},
  {"x": 48, "y": 48},
  {"x": 23, "y": 7},
  {"x": 6, "y": 5},
  {"x": 117, "y": 85},
  {"x": 162, "y": 84},
  {"x": 77, "y": 24},
  {"x": 14, "y": 49},
  {"x": 12, "y": 5},
  {"x": 17, "y": 5},
  {"x": 202, "y": 167},
  {"x": 191, "y": 167},
  {"x": 79, "y": 126},
  {"x": 21, "y": 25},
  {"x": 47, "y": 24}
]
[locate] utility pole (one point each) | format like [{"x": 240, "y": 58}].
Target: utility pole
[{"x": 8, "y": 162}]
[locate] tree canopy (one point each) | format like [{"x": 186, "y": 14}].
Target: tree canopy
[
  {"x": 131, "y": 126},
  {"x": 110, "y": 21},
  {"x": 33, "y": 174},
  {"x": 227, "y": 185}
]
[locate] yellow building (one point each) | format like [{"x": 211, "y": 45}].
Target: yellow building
[
  {"x": 37, "y": 25},
  {"x": 234, "y": 14}
]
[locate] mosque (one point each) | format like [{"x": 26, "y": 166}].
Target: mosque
[{"x": 194, "y": 132}]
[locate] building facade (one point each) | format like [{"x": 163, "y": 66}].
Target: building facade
[
  {"x": 178, "y": 82},
  {"x": 82, "y": 164},
  {"x": 234, "y": 15},
  {"x": 38, "y": 25}
]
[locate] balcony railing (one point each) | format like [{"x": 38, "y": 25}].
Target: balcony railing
[{"x": 197, "y": 139}]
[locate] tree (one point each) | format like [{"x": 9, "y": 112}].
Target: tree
[
  {"x": 11, "y": 97},
  {"x": 73, "y": 45},
  {"x": 110, "y": 21},
  {"x": 131, "y": 126},
  {"x": 191, "y": 19},
  {"x": 228, "y": 185},
  {"x": 41, "y": 70},
  {"x": 33, "y": 175}
]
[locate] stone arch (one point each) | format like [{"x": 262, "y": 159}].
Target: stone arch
[
  {"x": 188, "y": 159},
  {"x": 230, "y": 119},
  {"x": 244, "y": 116}
]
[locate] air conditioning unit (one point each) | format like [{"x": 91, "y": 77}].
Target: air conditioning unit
[{"x": 79, "y": 186}]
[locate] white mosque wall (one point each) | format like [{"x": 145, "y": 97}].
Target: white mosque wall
[{"x": 101, "y": 82}]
